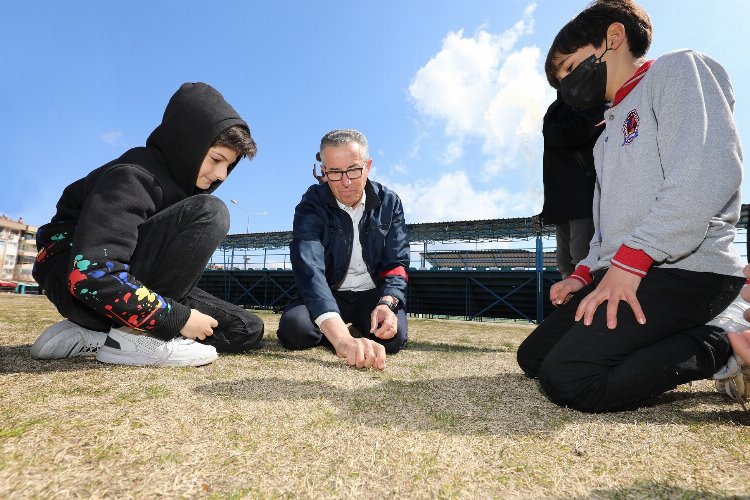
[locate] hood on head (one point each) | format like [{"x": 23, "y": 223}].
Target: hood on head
[{"x": 195, "y": 115}]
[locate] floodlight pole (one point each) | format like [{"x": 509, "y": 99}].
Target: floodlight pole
[
  {"x": 247, "y": 226},
  {"x": 537, "y": 224}
]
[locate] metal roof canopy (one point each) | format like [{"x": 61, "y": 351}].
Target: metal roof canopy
[
  {"x": 429, "y": 232},
  {"x": 502, "y": 258},
  {"x": 434, "y": 232}
]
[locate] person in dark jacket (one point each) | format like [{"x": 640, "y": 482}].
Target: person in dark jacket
[
  {"x": 569, "y": 177},
  {"x": 121, "y": 257},
  {"x": 349, "y": 252}
]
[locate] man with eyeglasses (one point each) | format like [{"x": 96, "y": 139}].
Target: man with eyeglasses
[{"x": 349, "y": 252}]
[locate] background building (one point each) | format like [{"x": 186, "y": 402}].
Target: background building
[{"x": 17, "y": 250}]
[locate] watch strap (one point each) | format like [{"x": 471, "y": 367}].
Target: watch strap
[{"x": 393, "y": 306}]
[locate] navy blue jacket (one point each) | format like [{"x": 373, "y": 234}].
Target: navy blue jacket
[{"x": 322, "y": 238}]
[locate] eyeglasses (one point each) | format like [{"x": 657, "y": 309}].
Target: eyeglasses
[{"x": 351, "y": 174}]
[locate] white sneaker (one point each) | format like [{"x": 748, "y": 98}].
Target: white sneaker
[
  {"x": 732, "y": 318},
  {"x": 66, "y": 339},
  {"x": 734, "y": 378},
  {"x": 736, "y": 384},
  {"x": 125, "y": 348}
]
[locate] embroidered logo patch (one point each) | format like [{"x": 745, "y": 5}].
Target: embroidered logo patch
[{"x": 630, "y": 127}]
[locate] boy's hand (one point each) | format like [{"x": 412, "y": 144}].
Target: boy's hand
[
  {"x": 616, "y": 285},
  {"x": 562, "y": 291},
  {"x": 199, "y": 325}
]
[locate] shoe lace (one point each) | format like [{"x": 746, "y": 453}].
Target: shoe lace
[{"x": 175, "y": 343}]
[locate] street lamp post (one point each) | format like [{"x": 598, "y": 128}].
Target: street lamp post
[{"x": 247, "y": 225}]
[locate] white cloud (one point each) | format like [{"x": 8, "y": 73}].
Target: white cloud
[
  {"x": 111, "y": 138},
  {"x": 453, "y": 197},
  {"x": 399, "y": 168},
  {"x": 453, "y": 151},
  {"x": 414, "y": 151},
  {"x": 485, "y": 87}
]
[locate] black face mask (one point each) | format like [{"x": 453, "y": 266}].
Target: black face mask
[{"x": 586, "y": 86}]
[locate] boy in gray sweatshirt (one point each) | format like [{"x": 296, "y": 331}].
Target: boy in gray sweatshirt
[{"x": 631, "y": 321}]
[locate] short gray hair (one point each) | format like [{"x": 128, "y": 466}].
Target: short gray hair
[{"x": 345, "y": 136}]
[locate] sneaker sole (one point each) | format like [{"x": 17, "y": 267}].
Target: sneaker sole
[{"x": 117, "y": 357}]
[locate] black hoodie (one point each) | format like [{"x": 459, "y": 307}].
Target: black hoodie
[
  {"x": 568, "y": 163},
  {"x": 97, "y": 219}
]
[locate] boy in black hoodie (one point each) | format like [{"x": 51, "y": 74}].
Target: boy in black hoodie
[{"x": 129, "y": 242}]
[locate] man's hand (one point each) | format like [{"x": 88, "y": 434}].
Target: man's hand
[
  {"x": 199, "y": 325},
  {"x": 616, "y": 285},
  {"x": 383, "y": 322},
  {"x": 562, "y": 291},
  {"x": 361, "y": 353}
]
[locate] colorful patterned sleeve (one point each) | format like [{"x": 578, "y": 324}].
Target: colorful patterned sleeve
[{"x": 104, "y": 242}]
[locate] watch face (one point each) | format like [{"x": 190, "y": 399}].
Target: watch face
[{"x": 391, "y": 305}]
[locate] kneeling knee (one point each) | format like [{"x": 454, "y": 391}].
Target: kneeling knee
[
  {"x": 395, "y": 344},
  {"x": 214, "y": 209},
  {"x": 529, "y": 364},
  {"x": 296, "y": 335},
  {"x": 577, "y": 393}
]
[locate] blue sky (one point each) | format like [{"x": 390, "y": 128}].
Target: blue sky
[{"x": 449, "y": 93}]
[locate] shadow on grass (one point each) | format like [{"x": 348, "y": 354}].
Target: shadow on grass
[
  {"x": 658, "y": 490},
  {"x": 275, "y": 350},
  {"x": 685, "y": 403},
  {"x": 17, "y": 359},
  {"x": 420, "y": 345},
  {"x": 504, "y": 404}
]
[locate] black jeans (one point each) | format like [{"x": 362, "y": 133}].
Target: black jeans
[
  {"x": 170, "y": 256},
  {"x": 297, "y": 330},
  {"x": 595, "y": 369}
]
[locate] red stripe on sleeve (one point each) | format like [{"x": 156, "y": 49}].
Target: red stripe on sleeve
[
  {"x": 582, "y": 274},
  {"x": 396, "y": 271},
  {"x": 632, "y": 260}
]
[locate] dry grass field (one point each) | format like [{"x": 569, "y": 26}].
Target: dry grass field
[{"x": 451, "y": 416}]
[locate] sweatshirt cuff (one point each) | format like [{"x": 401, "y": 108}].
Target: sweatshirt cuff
[
  {"x": 173, "y": 322},
  {"x": 582, "y": 274},
  {"x": 633, "y": 261}
]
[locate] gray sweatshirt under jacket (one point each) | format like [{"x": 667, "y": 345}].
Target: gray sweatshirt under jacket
[{"x": 669, "y": 169}]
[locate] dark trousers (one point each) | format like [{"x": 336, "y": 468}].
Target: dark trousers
[
  {"x": 297, "y": 330},
  {"x": 595, "y": 369},
  {"x": 171, "y": 254}
]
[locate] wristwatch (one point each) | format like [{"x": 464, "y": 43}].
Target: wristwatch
[{"x": 393, "y": 306}]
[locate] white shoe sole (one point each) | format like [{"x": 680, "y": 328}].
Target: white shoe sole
[{"x": 114, "y": 356}]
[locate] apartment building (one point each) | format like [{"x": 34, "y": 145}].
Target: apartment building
[{"x": 17, "y": 250}]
